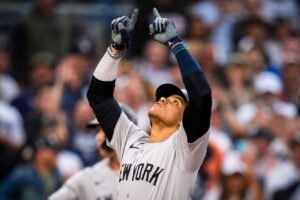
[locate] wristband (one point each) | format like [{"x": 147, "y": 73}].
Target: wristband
[
  {"x": 118, "y": 47},
  {"x": 172, "y": 42},
  {"x": 114, "y": 52}
]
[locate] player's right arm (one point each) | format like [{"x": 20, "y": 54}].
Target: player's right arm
[
  {"x": 100, "y": 92},
  {"x": 192, "y": 139}
]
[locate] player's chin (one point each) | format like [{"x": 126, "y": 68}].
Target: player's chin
[{"x": 153, "y": 111}]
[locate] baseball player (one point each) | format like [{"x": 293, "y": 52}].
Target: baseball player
[
  {"x": 163, "y": 164},
  {"x": 99, "y": 181}
]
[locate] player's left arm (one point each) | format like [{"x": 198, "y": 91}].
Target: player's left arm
[{"x": 196, "y": 118}]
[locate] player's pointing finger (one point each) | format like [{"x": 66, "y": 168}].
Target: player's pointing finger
[
  {"x": 134, "y": 16},
  {"x": 155, "y": 12}
]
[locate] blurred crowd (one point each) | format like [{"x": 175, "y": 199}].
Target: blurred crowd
[{"x": 250, "y": 53}]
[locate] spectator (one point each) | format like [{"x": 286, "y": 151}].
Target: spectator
[
  {"x": 72, "y": 74},
  {"x": 37, "y": 179},
  {"x": 68, "y": 163},
  {"x": 132, "y": 90},
  {"x": 288, "y": 9},
  {"x": 40, "y": 73},
  {"x": 251, "y": 32},
  {"x": 9, "y": 88},
  {"x": 237, "y": 182},
  {"x": 82, "y": 139},
  {"x": 238, "y": 90},
  {"x": 205, "y": 55},
  {"x": 291, "y": 189},
  {"x": 222, "y": 34},
  {"x": 269, "y": 111},
  {"x": 282, "y": 31},
  {"x": 260, "y": 156},
  {"x": 224, "y": 119},
  {"x": 209, "y": 11},
  {"x": 290, "y": 73},
  {"x": 253, "y": 8},
  {"x": 46, "y": 118},
  {"x": 197, "y": 30},
  {"x": 268, "y": 88},
  {"x": 209, "y": 174},
  {"x": 42, "y": 30},
  {"x": 12, "y": 138},
  {"x": 155, "y": 68}
]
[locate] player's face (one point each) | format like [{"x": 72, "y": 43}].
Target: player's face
[{"x": 168, "y": 110}]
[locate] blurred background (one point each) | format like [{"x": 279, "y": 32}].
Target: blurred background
[{"x": 249, "y": 50}]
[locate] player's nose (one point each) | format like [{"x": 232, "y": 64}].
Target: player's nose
[{"x": 163, "y": 100}]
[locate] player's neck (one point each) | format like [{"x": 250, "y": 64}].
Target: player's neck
[
  {"x": 114, "y": 162},
  {"x": 161, "y": 133}
]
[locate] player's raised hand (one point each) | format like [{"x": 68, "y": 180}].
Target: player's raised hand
[
  {"x": 122, "y": 28},
  {"x": 163, "y": 30}
]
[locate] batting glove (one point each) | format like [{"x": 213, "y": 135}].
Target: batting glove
[
  {"x": 122, "y": 28},
  {"x": 164, "y": 30}
]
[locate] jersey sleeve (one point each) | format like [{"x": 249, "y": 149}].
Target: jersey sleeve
[
  {"x": 189, "y": 156},
  {"x": 64, "y": 192},
  {"x": 125, "y": 134},
  {"x": 70, "y": 190}
]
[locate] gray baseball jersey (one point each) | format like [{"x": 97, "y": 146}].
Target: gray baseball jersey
[
  {"x": 153, "y": 171},
  {"x": 98, "y": 182}
]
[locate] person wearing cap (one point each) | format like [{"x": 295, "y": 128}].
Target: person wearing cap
[
  {"x": 37, "y": 179},
  {"x": 236, "y": 181},
  {"x": 164, "y": 163},
  {"x": 237, "y": 90},
  {"x": 100, "y": 180}
]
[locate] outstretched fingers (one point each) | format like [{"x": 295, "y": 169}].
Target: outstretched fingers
[
  {"x": 160, "y": 24},
  {"x": 119, "y": 23}
]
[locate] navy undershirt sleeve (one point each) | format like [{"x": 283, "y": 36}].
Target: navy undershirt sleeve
[
  {"x": 185, "y": 60},
  {"x": 196, "y": 117},
  {"x": 105, "y": 107}
]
